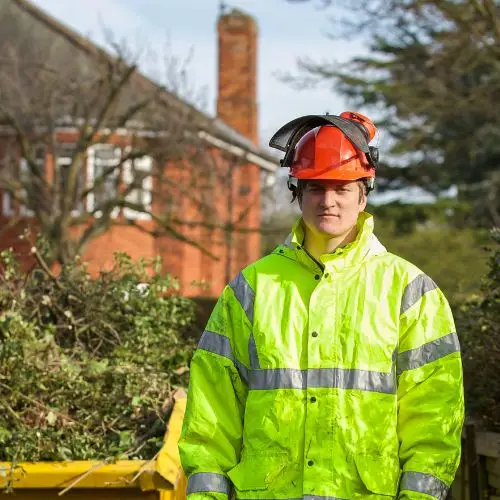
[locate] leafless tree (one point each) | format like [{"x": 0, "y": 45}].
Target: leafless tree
[{"x": 89, "y": 142}]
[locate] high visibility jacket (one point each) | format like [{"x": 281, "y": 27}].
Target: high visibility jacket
[{"x": 338, "y": 379}]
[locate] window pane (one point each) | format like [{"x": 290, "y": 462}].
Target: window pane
[
  {"x": 138, "y": 176},
  {"x": 105, "y": 180},
  {"x": 106, "y": 155}
]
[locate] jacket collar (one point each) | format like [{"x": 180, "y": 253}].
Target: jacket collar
[{"x": 365, "y": 245}]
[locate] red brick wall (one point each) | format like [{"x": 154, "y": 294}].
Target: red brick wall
[
  {"x": 244, "y": 188},
  {"x": 10, "y": 237},
  {"x": 183, "y": 261}
]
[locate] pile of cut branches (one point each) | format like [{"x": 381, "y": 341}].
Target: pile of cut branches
[{"x": 88, "y": 365}]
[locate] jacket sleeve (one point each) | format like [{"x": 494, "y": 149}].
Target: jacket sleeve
[
  {"x": 212, "y": 431},
  {"x": 430, "y": 392}
]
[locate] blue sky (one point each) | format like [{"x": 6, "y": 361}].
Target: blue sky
[{"x": 286, "y": 31}]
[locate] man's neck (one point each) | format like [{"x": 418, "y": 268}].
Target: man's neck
[{"x": 318, "y": 244}]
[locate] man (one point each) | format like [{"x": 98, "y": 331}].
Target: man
[{"x": 329, "y": 369}]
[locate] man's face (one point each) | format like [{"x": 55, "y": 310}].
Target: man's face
[{"x": 331, "y": 207}]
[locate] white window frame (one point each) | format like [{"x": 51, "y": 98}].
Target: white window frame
[
  {"x": 144, "y": 164},
  {"x": 7, "y": 200},
  {"x": 91, "y": 169}
]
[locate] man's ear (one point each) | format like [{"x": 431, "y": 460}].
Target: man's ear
[{"x": 363, "y": 202}]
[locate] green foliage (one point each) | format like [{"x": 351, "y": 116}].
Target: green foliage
[
  {"x": 88, "y": 366},
  {"x": 428, "y": 236},
  {"x": 479, "y": 326}
]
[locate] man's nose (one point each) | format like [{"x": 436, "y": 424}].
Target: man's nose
[{"x": 329, "y": 198}]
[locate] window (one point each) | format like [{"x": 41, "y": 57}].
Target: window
[
  {"x": 137, "y": 172},
  {"x": 103, "y": 162},
  {"x": 24, "y": 174}
]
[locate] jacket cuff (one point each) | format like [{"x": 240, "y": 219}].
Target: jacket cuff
[
  {"x": 208, "y": 482},
  {"x": 415, "y": 483}
]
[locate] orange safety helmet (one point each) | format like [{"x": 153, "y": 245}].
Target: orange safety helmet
[{"x": 328, "y": 147}]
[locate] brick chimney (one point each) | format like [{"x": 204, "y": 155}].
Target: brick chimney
[{"x": 237, "y": 75}]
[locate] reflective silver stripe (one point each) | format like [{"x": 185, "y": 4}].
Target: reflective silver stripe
[
  {"x": 415, "y": 290},
  {"x": 218, "y": 344},
  {"x": 424, "y": 483},
  {"x": 278, "y": 378},
  {"x": 309, "y": 497},
  {"x": 252, "y": 352},
  {"x": 290, "y": 378},
  {"x": 244, "y": 294},
  {"x": 208, "y": 481},
  {"x": 328, "y": 378},
  {"x": 437, "y": 349},
  {"x": 319, "y": 497}
]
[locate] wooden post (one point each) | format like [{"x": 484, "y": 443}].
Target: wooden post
[{"x": 472, "y": 462}]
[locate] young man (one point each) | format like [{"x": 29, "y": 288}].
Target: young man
[{"x": 329, "y": 369}]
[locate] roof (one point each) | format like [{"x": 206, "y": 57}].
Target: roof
[{"x": 73, "y": 47}]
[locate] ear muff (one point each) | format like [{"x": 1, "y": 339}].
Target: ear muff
[
  {"x": 373, "y": 156},
  {"x": 370, "y": 184}
]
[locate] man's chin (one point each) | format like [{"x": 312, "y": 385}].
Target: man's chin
[{"x": 330, "y": 230}]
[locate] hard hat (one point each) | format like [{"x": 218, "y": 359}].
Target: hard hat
[{"x": 328, "y": 147}]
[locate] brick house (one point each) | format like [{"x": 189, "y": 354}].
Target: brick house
[{"x": 231, "y": 141}]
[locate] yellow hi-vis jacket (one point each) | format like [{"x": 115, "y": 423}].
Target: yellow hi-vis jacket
[{"x": 332, "y": 380}]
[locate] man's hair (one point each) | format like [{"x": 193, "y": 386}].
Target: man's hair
[{"x": 298, "y": 192}]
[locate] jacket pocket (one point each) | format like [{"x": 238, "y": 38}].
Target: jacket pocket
[
  {"x": 379, "y": 474},
  {"x": 257, "y": 472}
]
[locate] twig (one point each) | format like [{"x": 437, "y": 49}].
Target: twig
[
  {"x": 12, "y": 223},
  {"x": 45, "y": 267},
  {"x": 41, "y": 405},
  {"x": 84, "y": 475},
  {"x": 12, "y": 412},
  {"x": 144, "y": 467}
]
